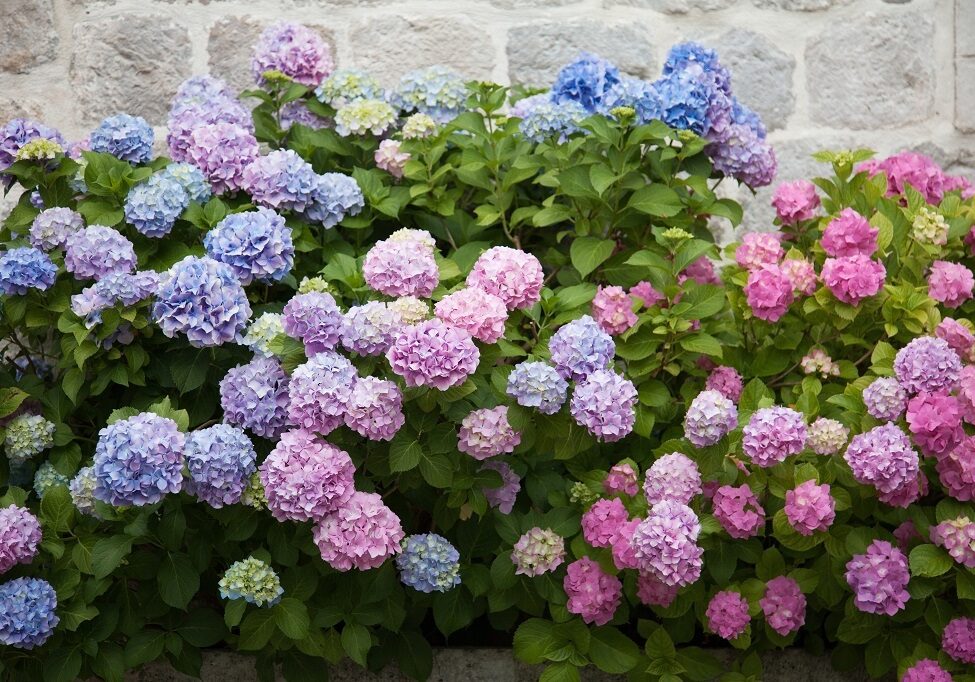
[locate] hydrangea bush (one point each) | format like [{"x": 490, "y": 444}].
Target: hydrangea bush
[{"x": 351, "y": 372}]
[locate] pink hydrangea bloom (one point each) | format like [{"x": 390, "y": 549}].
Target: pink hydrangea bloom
[
  {"x": 726, "y": 381},
  {"x": 950, "y": 283},
  {"x": 883, "y": 457},
  {"x": 651, "y": 591},
  {"x": 956, "y": 470},
  {"x": 648, "y": 296},
  {"x": 613, "y": 310},
  {"x": 503, "y": 497},
  {"x": 401, "y": 267},
  {"x": 810, "y": 508},
  {"x": 966, "y": 392},
  {"x": 769, "y": 292},
  {"x": 432, "y": 353},
  {"x": 486, "y": 433},
  {"x": 959, "y": 337},
  {"x": 879, "y": 579},
  {"x": 758, "y": 249},
  {"x": 665, "y": 544},
  {"x": 957, "y": 536},
  {"x": 20, "y": 534},
  {"x": 727, "y": 614},
  {"x": 360, "y": 534},
  {"x": 621, "y": 479},
  {"x": 773, "y": 434},
  {"x": 391, "y": 158},
  {"x": 935, "y": 420},
  {"x": 958, "y": 640},
  {"x": 795, "y": 201},
  {"x": 593, "y": 593},
  {"x": 624, "y": 556},
  {"x": 375, "y": 409},
  {"x": 854, "y": 278},
  {"x": 601, "y": 522},
  {"x": 512, "y": 275},
  {"x": 701, "y": 271},
  {"x": 480, "y": 314},
  {"x": 538, "y": 551},
  {"x": 295, "y": 50},
  {"x": 909, "y": 168},
  {"x": 784, "y": 605},
  {"x": 738, "y": 511},
  {"x": 672, "y": 477},
  {"x": 305, "y": 478},
  {"x": 319, "y": 392},
  {"x": 802, "y": 274},
  {"x": 849, "y": 234},
  {"x": 907, "y": 494},
  {"x": 926, "y": 670}
]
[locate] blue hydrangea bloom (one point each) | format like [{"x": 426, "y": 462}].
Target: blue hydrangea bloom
[
  {"x": 429, "y": 563},
  {"x": 253, "y": 581},
  {"x": 255, "y": 244},
  {"x": 685, "y": 101},
  {"x": 536, "y": 384},
  {"x": 192, "y": 180},
  {"x": 25, "y": 268},
  {"x": 581, "y": 347},
  {"x": 153, "y": 206},
  {"x": 202, "y": 299},
  {"x": 336, "y": 196},
  {"x": 28, "y": 612},
  {"x": 742, "y": 115},
  {"x": 436, "y": 91},
  {"x": 220, "y": 460},
  {"x": 281, "y": 180},
  {"x": 588, "y": 80},
  {"x": 346, "y": 85},
  {"x": 138, "y": 460},
  {"x": 113, "y": 289},
  {"x": 128, "y": 138},
  {"x": 638, "y": 94},
  {"x": 46, "y": 478},
  {"x": 542, "y": 119},
  {"x": 684, "y": 56}
]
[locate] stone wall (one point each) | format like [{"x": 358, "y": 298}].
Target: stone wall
[{"x": 888, "y": 74}]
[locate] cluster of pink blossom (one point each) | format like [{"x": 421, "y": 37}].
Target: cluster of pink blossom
[
  {"x": 612, "y": 308},
  {"x": 957, "y": 536},
  {"x": 621, "y": 479},
  {"x": 593, "y": 594},
  {"x": 738, "y": 511},
  {"x": 486, "y": 433},
  {"x": 672, "y": 477},
  {"x": 784, "y": 605},
  {"x": 727, "y": 614},
  {"x": 795, "y": 201},
  {"x": 810, "y": 508}
]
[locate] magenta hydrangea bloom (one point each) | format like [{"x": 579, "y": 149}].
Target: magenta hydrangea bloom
[
  {"x": 305, "y": 478},
  {"x": 959, "y": 337},
  {"x": 957, "y": 536},
  {"x": 503, "y": 497},
  {"x": 849, "y": 234},
  {"x": 665, "y": 544},
  {"x": 647, "y": 294},
  {"x": 612, "y": 308},
  {"x": 651, "y": 591},
  {"x": 254, "y": 396},
  {"x": 374, "y": 409},
  {"x": 727, "y": 614},
  {"x": 935, "y": 421},
  {"x": 513, "y": 276},
  {"x": 320, "y": 390},
  {"x": 879, "y": 579},
  {"x": 966, "y": 392},
  {"x": 950, "y": 284},
  {"x": 795, "y": 201},
  {"x": 726, "y": 381},
  {"x": 435, "y": 354},
  {"x": 621, "y": 545},
  {"x": 773, "y": 434},
  {"x": 593, "y": 594},
  {"x": 926, "y": 670},
  {"x": 362, "y": 533},
  {"x": 758, "y": 249},
  {"x": 853, "y": 278},
  {"x": 480, "y": 314},
  {"x": 369, "y": 329},
  {"x": 538, "y": 551},
  {"x": 883, "y": 457},
  {"x": 769, "y": 292},
  {"x": 580, "y": 347},
  {"x": 401, "y": 267},
  {"x": 810, "y": 507},
  {"x": 701, "y": 271},
  {"x": 672, "y": 477},
  {"x": 605, "y": 404},
  {"x": 956, "y": 470},
  {"x": 20, "y": 534},
  {"x": 802, "y": 274},
  {"x": 601, "y": 522},
  {"x": 885, "y": 399},
  {"x": 907, "y": 494},
  {"x": 97, "y": 251},
  {"x": 909, "y": 168},
  {"x": 927, "y": 364},
  {"x": 621, "y": 479},
  {"x": 315, "y": 320},
  {"x": 784, "y": 605},
  {"x": 222, "y": 151},
  {"x": 738, "y": 511},
  {"x": 297, "y": 51},
  {"x": 486, "y": 433},
  {"x": 958, "y": 640},
  {"x": 710, "y": 417}
]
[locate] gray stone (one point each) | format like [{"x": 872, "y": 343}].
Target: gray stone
[
  {"x": 536, "y": 52},
  {"x": 393, "y": 45},
  {"x": 965, "y": 29},
  {"x": 679, "y": 6},
  {"x": 874, "y": 71},
  {"x": 518, "y": 4},
  {"x": 130, "y": 63},
  {"x": 27, "y": 34},
  {"x": 19, "y": 107},
  {"x": 799, "y": 5},
  {"x": 761, "y": 74},
  {"x": 965, "y": 94}
]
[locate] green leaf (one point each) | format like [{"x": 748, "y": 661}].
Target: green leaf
[
  {"x": 404, "y": 451},
  {"x": 453, "y": 610},
  {"x": 702, "y": 343},
  {"x": 535, "y": 639},
  {"x": 143, "y": 647},
  {"x": 108, "y": 553},
  {"x": 560, "y": 672},
  {"x": 612, "y": 651},
  {"x": 109, "y": 665},
  {"x": 203, "y": 628},
  {"x": 588, "y": 253},
  {"x": 178, "y": 580},
  {"x": 189, "y": 369},
  {"x": 233, "y": 612},
  {"x": 414, "y": 657},
  {"x": 256, "y": 630},
  {"x": 291, "y": 617},
  {"x": 57, "y": 509},
  {"x": 656, "y": 200},
  {"x": 63, "y": 664},
  {"x": 860, "y": 628},
  {"x": 10, "y": 400},
  {"x": 356, "y": 641},
  {"x": 929, "y": 561}
]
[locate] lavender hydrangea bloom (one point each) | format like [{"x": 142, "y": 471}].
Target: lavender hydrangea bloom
[
  {"x": 535, "y": 384},
  {"x": 434, "y": 354},
  {"x": 710, "y": 418},
  {"x": 28, "y": 612},
  {"x": 295, "y": 50},
  {"x": 255, "y": 244},
  {"x": 138, "y": 460},
  {"x": 320, "y": 390},
  {"x": 694, "y": 55},
  {"x": 153, "y": 206},
  {"x": 25, "y": 268},
  {"x": 604, "y": 404},
  {"x": 281, "y": 180},
  {"x": 883, "y": 457},
  {"x": 315, "y": 319},
  {"x": 502, "y": 498},
  {"x": 486, "y": 433},
  {"x": 191, "y": 179},
  {"x": 202, "y": 299},
  {"x": 221, "y": 151},
  {"x": 743, "y": 155},
  {"x": 401, "y": 268},
  {"x": 128, "y": 138},
  {"x": 958, "y": 640},
  {"x": 20, "y": 534},
  {"x": 429, "y": 563},
  {"x": 879, "y": 579},
  {"x": 336, "y": 197},
  {"x": 113, "y": 289},
  {"x": 375, "y": 408},
  {"x": 664, "y": 544},
  {"x": 542, "y": 119},
  {"x": 672, "y": 477},
  {"x": 927, "y": 364},
  {"x": 17, "y": 133},
  {"x": 52, "y": 226},
  {"x": 254, "y": 396},
  {"x": 581, "y": 347},
  {"x": 587, "y": 81},
  {"x": 186, "y": 118},
  {"x": 97, "y": 251},
  {"x": 773, "y": 434},
  {"x": 436, "y": 91},
  {"x": 369, "y": 329},
  {"x": 885, "y": 399},
  {"x": 198, "y": 89},
  {"x": 220, "y": 460}
]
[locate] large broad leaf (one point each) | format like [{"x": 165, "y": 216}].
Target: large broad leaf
[
  {"x": 588, "y": 253},
  {"x": 612, "y": 651},
  {"x": 178, "y": 580},
  {"x": 108, "y": 553},
  {"x": 929, "y": 561},
  {"x": 656, "y": 200},
  {"x": 291, "y": 617},
  {"x": 535, "y": 639}
]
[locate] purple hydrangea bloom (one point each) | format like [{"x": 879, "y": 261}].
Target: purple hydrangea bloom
[
  {"x": 588, "y": 81},
  {"x": 200, "y": 89},
  {"x": 672, "y": 477},
  {"x": 336, "y": 196},
  {"x": 52, "y": 226},
  {"x": 743, "y": 116},
  {"x": 605, "y": 404},
  {"x": 773, "y": 434},
  {"x": 437, "y": 91},
  {"x": 502, "y": 498},
  {"x": 202, "y": 299},
  {"x": 138, "y": 460},
  {"x": 19, "y": 132},
  {"x": 369, "y": 329},
  {"x": 486, "y": 433},
  {"x": 926, "y": 670},
  {"x": 295, "y": 50},
  {"x": 958, "y": 640},
  {"x": 664, "y": 544},
  {"x": 255, "y": 244},
  {"x": 885, "y": 399},
  {"x": 25, "y": 268},
  {"x": 927, "y": 364},
  {"x": 97, "y": 251},
  {"x": 710, "y": 418},
  {"x": 429, "y": 563},
  {"x": 726, "y": 381},
  {"x": 743, "y": 155},
  {"x": 538, "y": 385},
  {"x": 957, "y": 536},
  {"x": 432, "y": 353},
  {"x": 883, "y": 457},
  {"x": 191, "y": 179},
  {"x": 784, "y": 605},
  {"x": 153, "y": 206},
  {"x": 320, "y": 390},
  {"x": 28, "y": 612},
  {"x": 220, "y": 460},
  {"x": 281, "y": 180},
  {"x": 361, "y": 534},
  {"x": 254, "y": 396},
  {"x": 581, "y": 347},
  {"x": 690, "y": 101},
  {"x": 314, "y": 319},
  {"x": 222, "y": 151},
  {"x": 375, "y": 408},
  {"x": 401, "y": 268},
  {"x": 20, "y": 534},
  {"x": 113, "y": 289},
  {"x": 879, "y": 579},
  {"x": 184, "y": 118},
  {"x": 128, "y": 138}
]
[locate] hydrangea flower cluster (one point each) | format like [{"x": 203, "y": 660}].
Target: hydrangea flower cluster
[
  {"x": 255, "y": 244},
  {"x": 364, "y": 116},
  {"x": 826, "y": 436},
  {"x": 957, "y": 536},
  {"x": 710, "y": 417},
  {"x": 28, "y": 612},
  {"x": 402, "y": 267},
  {"x": 429, "y": 563},
  {"x": 726, "y": 381},
  {"x": 504, "y": 496},
  {"x": 621, "y": 479},
  {"x": 810, "y": 507},
  {"x": 27, "y": 435},
  {"x": 345, "y": 85},
  {"x": 672, "y": 477},
  {"x": 252, "y": 580},
  {"x": 612, "y": 308},
  {"x": 20, "y": 534},
  {"x": 52, "y": 226},
  {"x": 773, "y": 434},
  {"x": 82, "y": 489},
  {"x": 47, "y": 477},
  {"x": 538, "y": 551},
  {"x": 115, "y": 288},
  {"x": 959, "y": 337},
  {"x": 369, "y": 329},
  {"x": 601, "y": 522},
  {"x": 926, "y": 670},
  {"x": 480, "y": 314},
  {"x": 849, "y": 234},
  {"x": 879, "y": 579},
  {"x": 930, "y": 227},
  {"x": 738, "y": 511},
  {"x": 538, "y": 385},
  {"x": 262, "y": 331},
  {"x": 191, "y": 179},
  {"x": 486, "y": 433},
  {"x": 795, "y": 202},
  {"x": 883, "y": 457},
  {"x": 885, "y": 399},
  {"x": 314, "y": 319},
  {"x": 153, "y": 206},
  {"x": 360, "y": 534},
  {"x": 512, "y": 275},
  {"x": 254, "y": 396},
  {"x": 391, "y": 158},
  {"x": 293, "y": 50},
  {"x": 19, "y": 132},
  {"x": 604, "y": 403},
  {"x": 593, "y": 594},
  {"x": 816, "y": 361},
  {"x": 374, "y": 408},
  {"x": 910, "y": 168},
  {"x": 851, "y": 279},
  {"x": 769, "y": 292},
  {"x": 542, "y": 119},
  {"x": 665, "y": 544},
  {"x": 580, "y": 347},
  {"x": 958, "y": 640},
  {"x": 436, "y": 91},
  {"x": 927, "y": 364},
  {"x": 319, "y": 392},
  {"x": 96, "y": 251},
  {"x": 433, "y": 354},
  {"x": 784, "y": 605},
  {"x": 758, "y": 249},
  {"x": 727, "y": 614},
  {"x": 127, "y": 138},
  {"x": 956, "y": 470},
  {"x": 935, "y": 422},
  {"x": 950, "y": 284},
  {"x": 220, "y": 460},
  {"x": 138, "y": 460}
]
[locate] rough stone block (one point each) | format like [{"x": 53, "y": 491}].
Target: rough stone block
[
  {"x": 965, "y": 29},
  {"x": 800, "y": 5},
  {"x": 679, "y": 6},
  {"x": 761, "y": 74},
  {"x": 965, "y": 94},
  {"x": 27, "y": 34}
]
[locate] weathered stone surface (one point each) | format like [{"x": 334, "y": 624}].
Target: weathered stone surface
[
  {"x": 679, "y": 6},
  {"x": 537, "y": 51},
  {"x": 761, "y": 74},
  {"x": 393, "y": 45},
  {"x": 27, "y": 34},
  {"x": 965, "y": 94},
  {"x": 518, "y": 4},
  {"x": 874, "y": 71},
  {"x": 799, "y": 5},
  {"x": 130, "y": 63},
  {"x": 19, "y": 107},
  {"x": 965, "y": 29}
]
